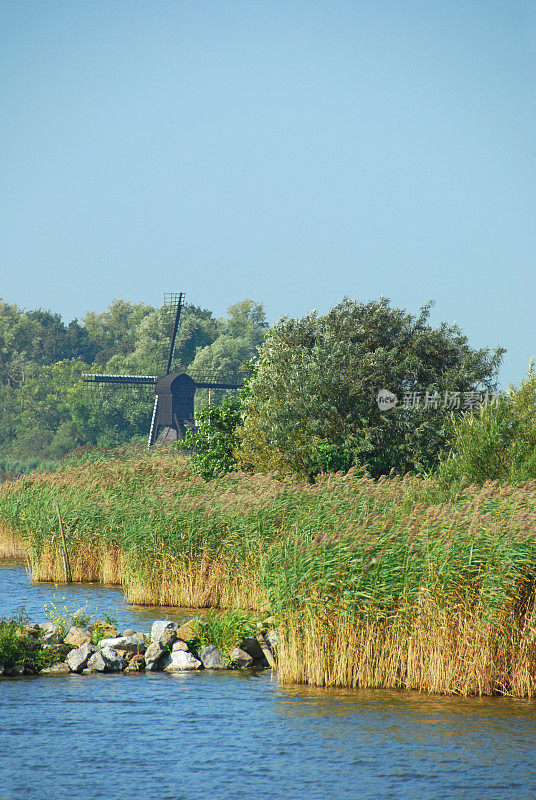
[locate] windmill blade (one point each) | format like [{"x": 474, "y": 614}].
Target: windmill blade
[
  {"x": 135, "y": 380},
  {"x": 174, "y": 333},
  {"x": 152, "y": 431},
  {"x": 204, "y": 385}
]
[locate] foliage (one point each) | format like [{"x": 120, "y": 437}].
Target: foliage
[
  {"x": 215, "y": 440},
  {"x": 496, "y": 443},
  {"x": 313, "y": 398},
  {"x": 398, "y": 582},
  {"x": 225, "y": 630},
  {"x": 64, "y": 618},
  {"x": 48, "y": 412},
  {"x": 19, "y": 649}
]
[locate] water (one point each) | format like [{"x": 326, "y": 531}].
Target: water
[
  {"x": 17, "y": 591},
  {"x": 199, "y": 735}
]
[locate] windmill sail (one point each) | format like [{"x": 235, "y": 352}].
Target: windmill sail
[
  {"x": 173, "y": 410},
  {"x": 174, "y": 332},
  {"x": 152, "y": 430}
]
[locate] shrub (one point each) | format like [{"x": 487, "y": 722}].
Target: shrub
[
  {"x": 312, "y": 404},
  {"x": 214, "y": 443},
  {"x": 496, "y": 443},
  {"x": 225, "y": 630}
]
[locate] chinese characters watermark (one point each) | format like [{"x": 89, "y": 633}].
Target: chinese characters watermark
[{"x": 448, "y": 401}]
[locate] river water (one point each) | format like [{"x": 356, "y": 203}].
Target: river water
[{"x": 203, "y": 735}]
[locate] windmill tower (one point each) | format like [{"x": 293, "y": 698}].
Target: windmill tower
[{"x": 173, "y": 411}]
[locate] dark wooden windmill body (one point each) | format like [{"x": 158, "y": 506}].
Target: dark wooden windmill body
[{"x": 173, "y": 412}]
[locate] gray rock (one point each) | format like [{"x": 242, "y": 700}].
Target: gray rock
[
  {"x": 180, "y": 645},
  {"x": 252, "y": 648},
  {"x": 272, "y": 639},
  {"x": 51, "y": 633},
  {"x": 59, "y": 668},
  {"x": 106, "y": 660},
  {"x": 179, "y": 660},
  {"x": 164, "y": 631},
  {"x": 240, "y": 658},
  {"x": 132, "y": 644},
  {"x": 154, "y": 655},
  {"x": 212, "y": 658},
  {"x": 129, "y": 632},
  {"x": 49, "y": 627},
  {"x": 77, "y": 659},
  {"x": 78, "y": 636}
]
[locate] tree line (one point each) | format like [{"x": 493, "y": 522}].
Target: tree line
[
  {"x": 47, "y": 411},
  {"x": 310, "y": 402}
]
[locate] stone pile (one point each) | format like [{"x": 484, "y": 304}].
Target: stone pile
[{"x": 170, "y": 648}]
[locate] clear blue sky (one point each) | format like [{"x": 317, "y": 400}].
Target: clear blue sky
[{"x": 291, "y": 151}]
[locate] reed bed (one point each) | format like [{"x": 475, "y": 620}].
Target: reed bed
[
  {"x": 392, "y": 583},
  {"x": 12, "y": 545}
]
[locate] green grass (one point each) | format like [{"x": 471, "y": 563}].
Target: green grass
[{"x": 225, "y": 630}]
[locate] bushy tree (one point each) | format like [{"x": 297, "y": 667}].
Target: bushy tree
[
  {"x": 497, "y": 442},
  {"x": 149, "y": 354},
  {"x": 213, "y": 445},
  {"x": 114, "y": 331},
  {"x": 313, "y": 401}
]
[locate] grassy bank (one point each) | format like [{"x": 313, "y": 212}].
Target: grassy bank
[{"x": 374, "y": 584}]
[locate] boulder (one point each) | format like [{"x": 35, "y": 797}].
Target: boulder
[
  {"x": 240, "y": 658},
  {"x": 212, "y": 658},
  {"x": 51, "y": 633},
  {"x": 135, "y": 664},
  {"x": 133, "y": 644},
  {"x": 164, "y": 631},
  {"x": 104, "y": 628},
  {"x": 180, "y": 645},
  {"x": 78, "y": 636},
  {"x": 154, "y": 656},
  {"x": 179, "y": 660},
  {"x": 32, "y": 629},
  {"x": 252, "y": 648},
  {"x": 129, "y": 632},
  {"x": 187, "y": 632},
  {"x": 77, "y": 659},
  {"x": 106, "y": 660},
  {"x": 59, "y": 668},
  {"x": 272, "y": 639}
]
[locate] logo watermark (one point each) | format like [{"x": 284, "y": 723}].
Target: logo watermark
[
  {"x": 386, "y": 400},
  {"x": 448, "y": 401}
]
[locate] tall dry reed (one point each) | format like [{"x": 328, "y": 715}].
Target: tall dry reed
[{"x": 395, "y": 583}]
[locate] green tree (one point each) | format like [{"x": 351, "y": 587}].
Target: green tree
[
  {"x": 215, "y": 441},
  {"x": 313, "y": 401},
  {"x": 114, "y": 331},
  {"x": 496, "y": 442},
  {"x": 152, "y": 337},
  {"x": 246, "y": 320}
]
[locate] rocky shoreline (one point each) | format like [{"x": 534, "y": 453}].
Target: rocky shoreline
[{"x": 170, "y": 647}]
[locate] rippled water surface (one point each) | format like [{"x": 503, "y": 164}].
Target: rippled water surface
[{"x": 226, "y": 735}]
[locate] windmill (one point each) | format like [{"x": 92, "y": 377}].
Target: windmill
[{"x": 173, "y": 410}]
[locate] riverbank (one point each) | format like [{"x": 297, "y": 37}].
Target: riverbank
[
  {"x": 230, "y": 641},
  {"x": 389, "y": 584}
]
